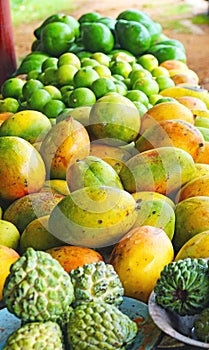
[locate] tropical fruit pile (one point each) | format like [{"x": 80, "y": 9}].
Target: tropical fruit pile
[{"x": 104, "y": 154}]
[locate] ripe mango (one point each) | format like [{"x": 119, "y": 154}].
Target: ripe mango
[
  {"x": 94, "y": 216},
  {"x": 157, "y": 213},
  {"x": 178, "y": 91},
  {"x": 163, "y": 170},
  {"x": 64, "y": 143},
  {"x": 139, "y": 257},
  {"x": 196, "y": 187},
  {"x": 195, "y": 247},
  {"x": 192, "y": 217},
  {"x": 91, "y": 171},
  {"x": 172, "y": 133},
  {"x": 149, "y": 195},
  {"x": 25, "y": 209}
]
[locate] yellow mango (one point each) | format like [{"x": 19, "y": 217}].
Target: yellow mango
[
  {"x": 196, "y": 187},
  {"x": 94, "y": 216},
  {"x": 149, "y": 195},
  {"x": 139, "y": 257},
  {"x": 172, "y": 133},
  {"x": 192, "y": 217},
  {"x": 195, "y": 247},
  {"x": 178, "y": 91}
]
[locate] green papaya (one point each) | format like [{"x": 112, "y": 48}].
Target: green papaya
[
  {"x": 163, "y": 170},
  {"x": 132, "y": 36},
  {"x": 97, "y": 37},
  {"x": 91, "y": 171},
  {"x": 94, "y": 216}
]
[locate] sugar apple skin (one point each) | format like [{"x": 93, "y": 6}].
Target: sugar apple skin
[
  {"x": 97, "y": 281},
  {"x": 38, "y": 288},
  {"x": 97, "y": 325},
  {"x": 183, "y": 286},
  {"x": 201, "y": 326},
  {"x": 36, "y": 335}
]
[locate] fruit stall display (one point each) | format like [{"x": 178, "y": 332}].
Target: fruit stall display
[{"x": 104, "y": 168}]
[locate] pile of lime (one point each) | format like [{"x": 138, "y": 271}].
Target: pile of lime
[{"x": 74, "y": 62}]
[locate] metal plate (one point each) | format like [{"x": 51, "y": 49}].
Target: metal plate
[
  {"x": 147, "y": 336},
  {"x": 179, "y": 327}
]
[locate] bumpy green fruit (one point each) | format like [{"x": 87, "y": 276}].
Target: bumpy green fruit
[
  {"x": 95, "y": 325},
  {"x": 183, "y": 286},
  {"x": 36, "y": 335},
  {"x": 97, "y": 282},
  {"x": 38, "y": 288}
]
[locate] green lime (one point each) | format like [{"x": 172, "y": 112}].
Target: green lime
[
  {"x": 53, "y": 91},
  {"x": 148, "y": 85},
  {"x": 121, "y": 88},
  {"x": 38, "y": 99},
  {"x": 97, "y": 37},
  {"x": 148, "y": 61},
  {"x": 102, "y": 86},
  {"x": 101, "y": 58},
  {"x": 50, "y": 76},
  {"x": 65, "y": 88},
  {"x": 9, "y": 104},
  {"x": 33, "y": 74},
  {"x": 103, "y": 71},
  {"x": 65, "y": 96},
  {"x": 138, "y": 74},
  {"x": 89, "y": 17},
  {"x": 12, "y": 88},
  {"x": 69, "y": 58},
  {"x": 164, "y": 82},
  {"x": 84, "y": 77},
  {"x": 56, "y": 37},
  {"x": 65, "y": 74},
  {"x": 122, "y": 55},
  {"x": 53, "y": 107},
  {"x": 49, "y": 62},
  {"x": 154, "y": 98},
  {"x": 31, "y": 62},
  {"x": 121, "y": 67},
  {"x": 81, "y": 96},
  {"x": 141, "y": 108},
  {"x": 137, "y": 95},
  {"x": 165, "y": 99},
  {"x": 88, "y": 61},
  {"x": 30, "y": 86},
  {"x": 160, "y": 71}
]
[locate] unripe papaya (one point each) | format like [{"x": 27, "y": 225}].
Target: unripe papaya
[
  {"x": 91, "y": 171},
  {"x": 162, "y": 170},
  {"x": 94, "y": 216}
]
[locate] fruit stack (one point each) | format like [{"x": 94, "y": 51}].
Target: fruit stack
[{"x": 104, "y": 151}]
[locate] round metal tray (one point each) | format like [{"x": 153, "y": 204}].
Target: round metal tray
[{"x": 176, "y": 327}]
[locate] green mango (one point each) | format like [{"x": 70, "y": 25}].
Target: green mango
[
  {"x": 94, "y": 216},
  {"x": 92, "y": 171}
]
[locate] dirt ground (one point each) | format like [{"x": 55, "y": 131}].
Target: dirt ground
[{"x": 196, "y": 43}]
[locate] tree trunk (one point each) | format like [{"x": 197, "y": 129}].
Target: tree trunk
[{"x": 8, "y": 63}]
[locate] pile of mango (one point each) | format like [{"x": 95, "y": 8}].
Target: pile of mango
[{"x": 104, "y": 146}]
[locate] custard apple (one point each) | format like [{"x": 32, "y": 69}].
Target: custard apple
[
  {"x": 183, "y": 286},
  {"x": 97, "y": 325},
  {"x": 38, "y": 288},
  {"x": 36, "y": 335},
  {"x": 201, "y": 326},
  {"x": 97, "y": 281}
]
